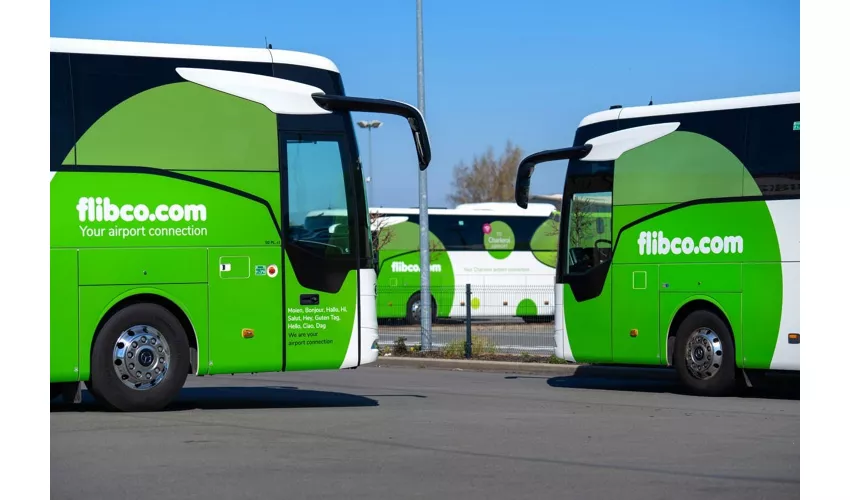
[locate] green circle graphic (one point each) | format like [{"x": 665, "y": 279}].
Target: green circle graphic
[
  {"x": 500, "y": 240},
  {"x": 526, "y": 307}
]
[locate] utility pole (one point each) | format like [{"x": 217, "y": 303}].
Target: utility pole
[
  {"x": 424, "y": 240},
  {"x": 369, "y": 126}
]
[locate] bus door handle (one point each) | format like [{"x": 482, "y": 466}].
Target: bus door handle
[{"x": 309, "y": 299}]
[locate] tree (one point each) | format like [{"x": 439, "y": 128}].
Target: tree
[
  {"x": 488, "y": 178},
  {"x": 581, "y": 220},
  {"x": 381, "y": 234}
]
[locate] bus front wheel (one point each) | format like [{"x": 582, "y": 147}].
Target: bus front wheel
[
  {"x": 140, "y": 359},
  {"x": 704, "y": 354},
  {"x": 414, "y": 309}
]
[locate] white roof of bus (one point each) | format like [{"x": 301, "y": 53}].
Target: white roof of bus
[
  {"x": 533, "y": 210},
  {"x": 180, "y": 51},
  {"x": 754, "y": 101}
]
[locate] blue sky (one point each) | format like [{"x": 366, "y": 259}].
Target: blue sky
[{"x": 495, "y": 70}]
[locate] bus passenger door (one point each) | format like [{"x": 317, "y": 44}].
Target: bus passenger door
[
  {"x": 321, "y": 248},
  {"x": 634, "y": 324}
]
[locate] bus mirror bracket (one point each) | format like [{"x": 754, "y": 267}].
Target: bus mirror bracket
[
  {"x": 526, "y": 168},
  {"x": 385, "y": 106}
]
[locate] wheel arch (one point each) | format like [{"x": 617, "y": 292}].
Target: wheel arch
[
  {"x": 150, "y": 296},
  {"x": 692, "y": 304}
]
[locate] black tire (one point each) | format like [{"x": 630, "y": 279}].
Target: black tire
[
  {"x": 411, "y": 316},
  {"x": 106, "y": 384},
  {"x": 531, "y": 320},
  {"x": 711, "y": 372}
]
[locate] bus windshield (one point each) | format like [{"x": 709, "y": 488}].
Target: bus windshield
[{"x": 586, "y": 232}]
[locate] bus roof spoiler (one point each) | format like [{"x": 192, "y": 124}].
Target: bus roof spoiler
[
  {"x": 526, "y": 167},
  {"x": 385, "y": 106},
  {"x": 287, "y": 97}
]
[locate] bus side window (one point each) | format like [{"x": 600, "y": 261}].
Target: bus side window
[
  {"x": 62, "y": 137},
  {"x": 318, "y": 207},
  {"x": 773, "y": 149}
]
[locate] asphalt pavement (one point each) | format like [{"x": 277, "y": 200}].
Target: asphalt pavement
[{"x": 387, "y": 432}]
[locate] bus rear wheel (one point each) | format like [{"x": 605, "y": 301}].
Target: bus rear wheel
[
  {"x": 140, "y": 359},
  {"x": 414, "y": 309},
  {"x": 704, "y": 354}
]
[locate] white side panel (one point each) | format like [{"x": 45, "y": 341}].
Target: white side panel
[
  {"x": 562, "y": 340},
  {"x": 350, "y": 359},
  {"x": 496, "y": 281},
  {"x": 281, "y": 96},
  {"x": 787, "y": 356},
  {"x": 368, "y": 324},
  {"x": 368, "y": 316},
  {"x": 786, "y": 219}
]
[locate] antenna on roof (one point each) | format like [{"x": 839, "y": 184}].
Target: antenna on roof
[
  {"x": 268, "y": 45},
  {"x": 650, "y": 100}
]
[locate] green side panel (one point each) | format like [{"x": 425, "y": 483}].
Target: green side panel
[
  {"x": 142, "y": 266},
  {"x": 265, "y": 185},
  {"x": 701, "y": 278},
  {"x": 139, "y": 210},
  {"x": 499, "y": 239},
  {"x": 64, "y": 322},
  {"x": 625, "y": 215},
  {"x": 636, "y": 303},
  {"x": 745, "y": 231},
  {"x": 589, "y": 325},
  {"x": 761, "y": 322},
  {"x": 724, "y": 240},
  {"x": 244, "y": 295},
  {"x": 71, "y": 158},
  {"x": 544, "y": 243},
  {"x": 399, "y": 274},
  {"x": 526, "y": 308},
  {"x": 678, "y": 167},
  {"x": 730, "y": 304},
  {"x": 699, "y": 250},
  {"x": 317, "y": 336},
  {"x": 192, "y": 128},
  {"x": 96, "y": 301}
]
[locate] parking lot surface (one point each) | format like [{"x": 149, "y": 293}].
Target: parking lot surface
[{"x": 381, "y": 432}]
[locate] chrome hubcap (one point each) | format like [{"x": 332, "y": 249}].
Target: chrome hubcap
[
  {"x": 414, "y": 309},
  {"x": 141, "y": 357},
  {"x": 703, "y": 353}
]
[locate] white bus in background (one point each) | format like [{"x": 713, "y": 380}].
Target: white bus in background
[{"x": 507, "y": 254}]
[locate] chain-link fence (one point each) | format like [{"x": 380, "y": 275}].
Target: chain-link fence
[{"x": 497, "y": 319}]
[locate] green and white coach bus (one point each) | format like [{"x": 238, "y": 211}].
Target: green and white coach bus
[
  {"x": 700, "y": 267},
  {"x": 507, "y": 254},
  {"x": 181, "y": 180}
]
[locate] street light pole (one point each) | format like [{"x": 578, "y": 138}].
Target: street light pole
[
  {"x": 369, "y": 126},
  {"x": 424, "y": 240}
]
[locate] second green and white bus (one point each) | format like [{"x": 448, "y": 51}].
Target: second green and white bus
[
  {"x": 700, "y": 266},
  {"x": 182, "y": 178},
  {"x": 507, "y": 255}
]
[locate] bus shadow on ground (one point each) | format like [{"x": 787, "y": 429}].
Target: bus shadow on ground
[
  {"x": 661, "y": 380},
  {"x": 237, "y": 398}
]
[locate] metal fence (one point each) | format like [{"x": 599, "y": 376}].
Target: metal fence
[{"x": 498, "y": 319}]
